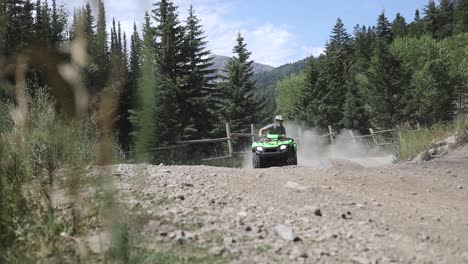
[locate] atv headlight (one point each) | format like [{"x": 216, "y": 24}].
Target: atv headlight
[
  {"x": 259, "y": 148},
  {"x": 283, "y": 147}
]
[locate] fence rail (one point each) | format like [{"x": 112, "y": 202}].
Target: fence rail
[
  {"x": 373, "y": 137},
  {"x": 202, "y": 141},
  {"x": 243, "y": 135}
]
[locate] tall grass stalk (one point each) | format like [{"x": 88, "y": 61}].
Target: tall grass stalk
[{"x": 42, "y": 152}]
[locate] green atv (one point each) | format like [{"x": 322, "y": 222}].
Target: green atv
[{"x": 273, "y": 150}]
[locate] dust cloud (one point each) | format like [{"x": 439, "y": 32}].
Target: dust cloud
[{"x": 315, "y": 150}]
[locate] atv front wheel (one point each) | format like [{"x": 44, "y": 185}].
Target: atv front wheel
[
  {"x": 292, "y": 159},
  {"x": 257, "y": 162}
]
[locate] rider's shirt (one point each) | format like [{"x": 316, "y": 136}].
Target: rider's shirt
[{"x": 275, "y": 129}]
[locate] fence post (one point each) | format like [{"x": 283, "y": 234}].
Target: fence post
[
  {"x": 352, "y": 136},
  {"x": 252, "y": 131},
  {"x": 332, "y": 135},
  {"x": 299, "y": 136},
  {"x": 228, "y": 135},
  {"x": 373, "y": 136}
]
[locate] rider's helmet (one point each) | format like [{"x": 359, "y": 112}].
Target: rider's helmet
[{"x": 279, "y": 119}]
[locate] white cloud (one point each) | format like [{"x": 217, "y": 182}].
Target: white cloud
[
  {"x": 269, "y": 43},
  {"x": 313, "y": 51},
  {"x": 125, "y": 11}
]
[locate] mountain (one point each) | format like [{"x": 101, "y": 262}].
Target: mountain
[
  {"x": 220, "y": 61},
  {"x": 268, "y": 79},
  {"x": 265, "y": 82}
]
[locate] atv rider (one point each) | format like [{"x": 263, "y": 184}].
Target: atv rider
[{"x": 277, "y": 128}]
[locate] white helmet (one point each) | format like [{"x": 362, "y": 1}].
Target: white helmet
[{"x": 279, "y": 118}]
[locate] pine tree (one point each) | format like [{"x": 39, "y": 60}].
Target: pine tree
[
  {"x": 439, "y": 20},
  {"x": 74, "y": 28},
  {"x": 387, "y": 84},
  {"x": 84, "y": 21},
  {"x": 19, "y": 32},
  {"x": 310, "y": 96},
  {"x": 431, "y": 18},
  {"x": 193, "y": 96},
  {"x": 135, "y": 57},
  {"x": 240, "y": 107},
  {"x": 125, "y": 50},
  {"x": 355, "y": 116},
  {"x": 118, "y": 55},
  {"x": 461, "y": 16},
  {"x": 169, "y": 46},
  {"x": 3, "y": 25},
  {"x": 42, "y": 23},
  {"x": 169, "y": 35},
  {"x": 417, "y": 16},
  {"x": 333, "y": 77},
  {"x": 383, "y": 29},
  {"x": 340, "y": 38},
  {"x": 101, "y": 52},
  {"x": 129, "y": 96},
  {"x": 114, "y": 43},
  {"x": 83, "y": 27},
  {"x": 116, "y": 48},
  {"x": 399, "y": 27},
  {"x": 58, "y": 24},
  {"x": 119, "y": 38},
  {"x": 89, "y": 26},
  {"x": 117, "y": 86},
  {"x": 145, "y": 117},
  {"x": 26, "y": 24},
  {"x": 446, "y": 18},
  {"x": 362, "y": 46},
  {"x": 416, "y": 28},
  {"x": 40, "y": 42}
]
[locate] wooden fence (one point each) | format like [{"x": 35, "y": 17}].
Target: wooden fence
[
  {"x": 230, "y": 137},
  {"x": 375, "y": 137}
]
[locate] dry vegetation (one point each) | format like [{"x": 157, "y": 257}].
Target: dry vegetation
[{"x": 414, "y": 142}]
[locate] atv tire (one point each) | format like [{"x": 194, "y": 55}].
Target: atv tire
[
  {"x": 256, "y": 161},
  {"x": 292, "y": 159}
]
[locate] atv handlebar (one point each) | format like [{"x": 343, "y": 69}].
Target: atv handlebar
[{"x": 278, "y": 137}]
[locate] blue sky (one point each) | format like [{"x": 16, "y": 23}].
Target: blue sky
[{"x": 276, "y": 32}]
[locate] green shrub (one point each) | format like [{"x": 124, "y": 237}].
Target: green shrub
[
  {"x": 6, "y": 123},
  {"x": 29, "y": 160},
  {"x": 53, "y": 139},
  {"x": 462, "y": 131},
  {"x": 13, "y": 203}
]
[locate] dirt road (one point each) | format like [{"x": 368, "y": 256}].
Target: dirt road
[{"x": 340, "y": 213}]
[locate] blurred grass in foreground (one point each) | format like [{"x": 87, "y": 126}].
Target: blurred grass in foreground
[
  {"x": 32, "y": 156},
  {"x": 54, "y": 196}
]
